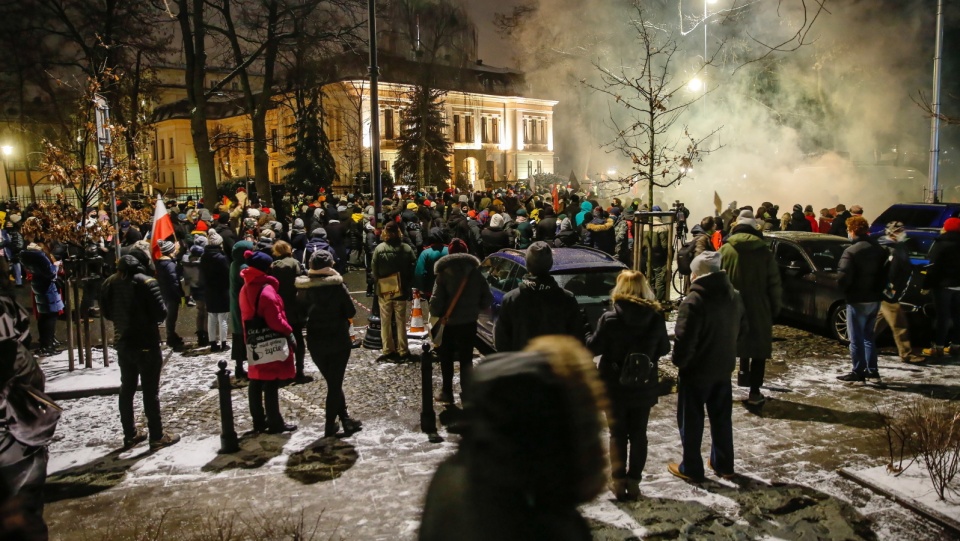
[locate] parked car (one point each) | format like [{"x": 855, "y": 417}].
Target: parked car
[
  {"x": 587, "y": 273},
  {"x": 808, "y": 264},
  {"x": 922, "y": 222}
]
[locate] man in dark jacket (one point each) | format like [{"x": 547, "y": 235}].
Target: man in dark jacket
[
  {"x": 798, "y": 221},
  {"x": 133, "y": 302},
  {"x": 538, "y": 306},
  {"x": 495, "y": 237},
  {"x": 839, "y": 225},
  {"x": 943, "y": 279},
  {"x": 215, "y": 276},
  {"x": 898, "y": 277},
  {"x": 599, "y": 233},
  {"x": 168, "y": 278},
  {"x": 711, "y": 321},
  {"x": 546, "y": 229},
  {"x": 862, "y": 277},
  {"x": 224, "y": 230}
]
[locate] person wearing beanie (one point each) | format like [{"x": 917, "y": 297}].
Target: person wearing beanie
[
  {"x": 228, "y": 234},
  {"x": 215, "y": 277},
  {"x": 393, "y": 260},
  {"x": 812, "y": 218},
  {"x": 710, "y": 324},
  {"x": 839, "y": 225},
  {"x": 524, "y": 229},
  {"x": 495, "y": 237},
  {"x": 943, "y": 281},
  {"x": 752, "y": 270},
  {"x": 325, "y": 309},
  {"x": 259, "y": 297},
  {"x": 899, "y": 271},
  {"x": 537, "y": 306},
  {"x": 190, "y": 262},
  {"x": 862, "y": 279},
  {"x": 798, "y": 221},
  {"x": 423, "y": 274},
  {"x": 566, "y": 235},
  {"x": 169, "y": 279},
  {"x": 546, "y": 228}
]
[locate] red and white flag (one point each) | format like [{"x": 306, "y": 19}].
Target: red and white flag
[{"x": 162, "y": 228}]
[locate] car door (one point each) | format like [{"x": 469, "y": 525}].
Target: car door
[
  {"x": 799, "y": 281},
  {"x": 501, "y": 275}
]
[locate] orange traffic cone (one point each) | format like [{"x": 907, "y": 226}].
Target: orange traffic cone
[{"x": 416, "y": 315}]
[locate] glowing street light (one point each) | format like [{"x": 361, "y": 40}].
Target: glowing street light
[
  {"x": 695, "y": 85},
  {"x": 7, "y": 150}
]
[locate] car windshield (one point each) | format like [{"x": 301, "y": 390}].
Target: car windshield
[
  {"x": 589, "y": 287},
  {"x": 825, "y": 255}
]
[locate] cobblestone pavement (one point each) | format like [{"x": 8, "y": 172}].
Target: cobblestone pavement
[{"x": 371, "y": 485}]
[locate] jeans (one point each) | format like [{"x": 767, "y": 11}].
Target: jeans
[
  {"x": 457, "y": 345},
  {"x": 947, "y": 302},
  {"x": 629, "y": 426},
  {"x": 217, "y": 323},
  {"x": 861, "y": 321},
  {"x": 893, "y": 316},
  {"x": 393, "y": 314},
  {"x": 718, "y": 399},
  {"x": 265, "y": 393},
  {"x": 754, "y": 370},
  {"x": 137, "y": 363},
  {"x": 333, "y": 366}
]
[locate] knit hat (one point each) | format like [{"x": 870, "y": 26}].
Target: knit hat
[
  {"x": 539, "y": 258},
  {"x": 214, "y": 239},
  {"x": 166, "y": 247},
  {"x": 258, "y": 260},
  {"x": 706, "y": 263},
  {"x": 463, "y": 198},
  {"x": 321, "y": 259},
  {"x": 521, "y": 212},
  {"x": 268, "y": 234},
  {"x": 496, "y": 221},
  {"x": 298, "y": 225},
  {"x": 318, "y": 232},
  {"x": 746, "y": 218},
  {"x": 196, "y": 250},
  {"x": 797, "y": 208},
  {"x": 249, "y": 223},
  {"x": 457, "y": 246},
  {"x": 411, "y": 206},
  {"x": 200, "y": 240},
  {"x": 952, "y": 225},
  {"x": 124, "y": 224},
  {"x": 223, "y": 218}
]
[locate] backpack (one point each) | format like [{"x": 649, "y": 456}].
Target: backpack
[
  {"x": 638, "y": 371},
  {"x": 685, "y": 257}
]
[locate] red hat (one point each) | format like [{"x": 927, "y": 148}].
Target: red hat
[
  {"x": 201, "y": 226},
  {"x": 952, "y": 224}
]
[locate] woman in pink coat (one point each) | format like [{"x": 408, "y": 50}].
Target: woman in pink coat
[{"x": 265, "y": 378}]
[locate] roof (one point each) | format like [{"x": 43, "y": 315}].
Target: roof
[
  {"x": 566, "y": 260},
  {"x": 799, "y": 236}
]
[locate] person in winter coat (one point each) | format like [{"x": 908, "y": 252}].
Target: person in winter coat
[
  {"x": 215, "y": 276},
  {"x": 839, "y": 225},
  {"x": 862, "y": 279},
  {"x": 546, "y": 228},
  {"x": 459, "y": 267},
  {"x": 237, "y": 264},
  {"x": 943, "y": 280},
  {"x": 337, "y": 237},
  {"x": 711, "y": 322},
  {"x": 798, "y": 221},
  {"x": 898, "y": 277},
  {"x": 658, "y": 248},
  {"x": 45, "y": 294},
  {"x": 458, "y": 226},
  {"x": 326, "y": 308},
  {"x": 259, "y": 297},
  {"x": 525, "y": 229},
  {"x": 227, "y": 233},
  {"x": 582, "y": 217},
  {"x": 393, "y": 256},
  {"x": 286, "y": 270},
  {"x": 538, "y": 306},
  {"x": 169, "y": 279},
  {"x": 134, "y": 303},
  {"x": 566, "y": 236},
  {"x": 371, "y": 238},
  {"x": 751, "y": 269},
  {"x": 194, "y": 282},
  {"x": 812, "y": 218},
  {"x": 318, "y": 241},
  {"x": 531, "y": 454},
  {"x": 599, "y": 233},
  {"x": 423, "y": 274},
  {"x": 702, "y": 236},
  {"x": 495, "y": 237},
  {"x": 825, "y": 222},
  {"x": 634, "y": 325},
  {"x": 298, "y": 239},
  {"x": 12, "y": 244},
  {"x": 623, "y": 235}
]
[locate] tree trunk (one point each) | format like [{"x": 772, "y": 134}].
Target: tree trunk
[
  {"x": 261, "y": 158},
  {"x": 194, "y": 52}
]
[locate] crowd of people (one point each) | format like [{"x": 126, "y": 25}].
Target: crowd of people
[{"x": 267, "y": 285}]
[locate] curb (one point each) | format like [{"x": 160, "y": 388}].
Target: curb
[{"x": 926, "y": 512}]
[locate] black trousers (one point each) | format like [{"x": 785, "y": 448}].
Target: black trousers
[
  {"x": 301, "y": 349},
  {"x": 47, "y": 325},
  {"x": 333, "y": 366},
  {"x": 173, "y": 313},
  {"x": 753, "y": 370},
  {"x": 265, "y": 393},
  {"x": 629, "y": 429},
  {"x": 457, "y": 346},
  {"x": 718, "y": 399},
  {"x": 143, "y": 366}
]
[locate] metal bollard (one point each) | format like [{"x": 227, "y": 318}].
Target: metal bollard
[{"x": 228, "y": 436}]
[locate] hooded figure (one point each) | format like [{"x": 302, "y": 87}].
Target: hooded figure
[
  {"x": 566, "y": 235},
  {"x": 586, "y": 208},
  {"x": 798, "y": 221},
  {"x": 600, "y": 234},
  {"x": 495, "y": 237}
]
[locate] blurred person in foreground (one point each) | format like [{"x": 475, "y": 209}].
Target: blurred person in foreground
[
  {"x": 943, "y": 280},
  {"x": 630, "y": 339},
  {"x": 532, "y": 450},
  {"x": 899, "y": 271},
  {"x": 711, "y": 322}
]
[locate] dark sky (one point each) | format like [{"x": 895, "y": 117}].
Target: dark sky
[{"x": 493, "y": 50}]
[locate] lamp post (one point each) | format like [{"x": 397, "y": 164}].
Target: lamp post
[{"x": 7, "y": 151}]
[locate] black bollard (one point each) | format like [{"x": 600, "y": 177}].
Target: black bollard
[{"x": 228, "y": 436}]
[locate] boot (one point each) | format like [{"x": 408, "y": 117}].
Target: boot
[
  {"x": 240, "y": 373},
  {"x": 203, "y": 339},
  {"x": 330, "y": 429},
  {"x": 350, "y": 426},
  {"x": 224, "y": 346}
]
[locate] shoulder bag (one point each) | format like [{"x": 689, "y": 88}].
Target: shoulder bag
[
  {"x": 264, "y": 345},
  {"x": 436, "y": 331}
]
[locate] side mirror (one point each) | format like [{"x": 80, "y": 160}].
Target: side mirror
[{"x": 798, "y": 267}]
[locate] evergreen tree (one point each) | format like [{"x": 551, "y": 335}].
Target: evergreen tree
[
  {"x": 312, "y": 166},
  {"x": 422, "y": 148}
]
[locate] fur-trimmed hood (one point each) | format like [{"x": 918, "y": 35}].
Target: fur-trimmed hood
[
  {"x": 605, "y": 226},
  {"x": 319, "y": 278},
  {"x": 456, "y": 260}
]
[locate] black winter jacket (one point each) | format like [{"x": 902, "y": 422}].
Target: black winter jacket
[
  {"x": 799, "y": 222},
  {"x": 547, "y": 229},
  {"x": 215, "y": 276},
  {"x": 495, "y": 239},
  {"x": 839, "y": 225},
  {"x": 710, "y": 323},
  {"x": 134, "y": 305},
  {"x": 900, "y": 269},
  {"x": 944, "y": 270},
  {"x": 629, "y": 327},
  {"x": 861, "y": 273},
  {"x": 169, "y": 279},
  {"x": 450, "y": 271},
  {"x": 599, "y": 234},
  {"x": 324, "y": 303},
  {"x": 538, "y": 307}
]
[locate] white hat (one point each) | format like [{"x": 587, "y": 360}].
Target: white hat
[
  {"x": 746, "y": 218},
  {"x": 706, "y": 263}
]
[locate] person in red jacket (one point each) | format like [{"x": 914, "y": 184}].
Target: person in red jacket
[
  {"x": 812, "y": 218},
  {"x": 260, "y": 296}
]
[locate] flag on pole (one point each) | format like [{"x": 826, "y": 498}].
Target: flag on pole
[{"x": 162, "y": 228}]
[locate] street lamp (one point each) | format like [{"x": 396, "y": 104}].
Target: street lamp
[
  {"x": 7, "y": 151},
  {"x": 695, "y": 84}
]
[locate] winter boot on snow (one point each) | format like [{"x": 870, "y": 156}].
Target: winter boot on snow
[{"x": 203, "y": 339}]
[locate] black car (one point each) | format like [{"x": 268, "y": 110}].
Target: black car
[{"x": 808, "y": 264}]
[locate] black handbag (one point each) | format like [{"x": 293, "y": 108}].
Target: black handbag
[{"x": 638, "y": 370}]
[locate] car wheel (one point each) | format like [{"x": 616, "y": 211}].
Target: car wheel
[{"x": 838, "y": 323}]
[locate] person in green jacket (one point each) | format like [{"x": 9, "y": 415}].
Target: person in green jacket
[
  {"x": 393, "y": 256},
  {"x": 239, "y": 351},
  {"x": 749, "y": 264}
]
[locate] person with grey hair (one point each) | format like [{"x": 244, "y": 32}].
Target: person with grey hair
[
  {"x": 711, "y": 322},
  {"x": 537, "y": 306}
]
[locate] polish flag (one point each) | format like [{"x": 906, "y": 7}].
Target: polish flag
[{"x": 162, "y": 228}]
